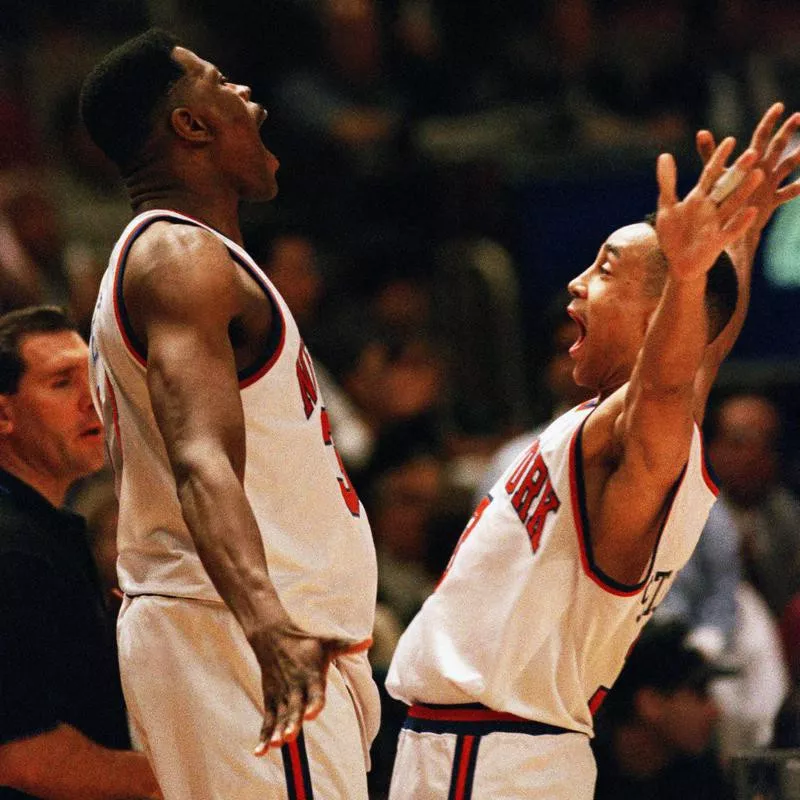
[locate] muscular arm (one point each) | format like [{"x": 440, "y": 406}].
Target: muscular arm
[
  {"x": 63, "y": 764},
  {"x": 182, "y": 294}
]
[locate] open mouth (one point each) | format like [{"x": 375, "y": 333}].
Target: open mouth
[
  {"x": 89, "y": 433},
  {"x": 580, "y": 322}
]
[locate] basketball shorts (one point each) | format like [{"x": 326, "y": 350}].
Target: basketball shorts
[
  {"x": 472, "y": 753},
  {"x": 193, "y": 690}
]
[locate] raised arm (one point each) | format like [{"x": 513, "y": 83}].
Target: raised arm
[
  {"x": 640, "y": 442},
  {"x": 776, "y": 165},
  {"x": 182, "y": 294}
]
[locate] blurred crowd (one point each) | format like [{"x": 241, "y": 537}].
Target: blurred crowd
[{"x": 404, "y": 129}]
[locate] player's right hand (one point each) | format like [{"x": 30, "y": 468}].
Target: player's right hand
[{"x": 293, "y": 671}]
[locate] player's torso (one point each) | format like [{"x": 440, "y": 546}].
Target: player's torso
[
  {"x": 523, "y": 620},
  {"x": 310, "y": 518}
]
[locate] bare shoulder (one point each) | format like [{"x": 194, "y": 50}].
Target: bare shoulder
[
  {"x": 601, "y": 438},
  {"x": 181, "y": 272}
]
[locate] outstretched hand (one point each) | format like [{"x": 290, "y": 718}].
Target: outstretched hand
[
  {"x": 772, "y": 160},
  {"x": 693, "y": 232},
  {"x": 293, "y": 670}
]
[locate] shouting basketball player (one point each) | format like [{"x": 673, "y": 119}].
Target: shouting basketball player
[
  {"x": 573, "y": 548},
  {"x": 245, "y": 556}
]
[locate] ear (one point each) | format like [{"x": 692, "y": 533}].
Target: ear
[
  {"x": 6, "y": 415},
  {"x": 190, "y": 127}
]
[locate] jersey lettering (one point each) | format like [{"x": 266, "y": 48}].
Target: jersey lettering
[
  {"x": 348, "y": 492},
  {"x": 653, "y": 593},
  {"x": 473, "y": 521},
  {"x": 530, "y": 482},
  {"x": 306, "y": 380}
]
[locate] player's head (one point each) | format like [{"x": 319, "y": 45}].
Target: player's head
[
  {"x": 615, "y": 297},
  {"x": 663, "y": 690},
  {"x": 49, "y": 430},
  {"x": 154, "y": 106},
  {"x": 722, "y": 286},
  {"x": 127, "y": 93}
]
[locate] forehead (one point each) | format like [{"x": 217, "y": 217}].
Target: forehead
[
  {"x": 633, "y": 242},
  {"x": 194, "y": 66},
  {"x": 48, "y": 353}
]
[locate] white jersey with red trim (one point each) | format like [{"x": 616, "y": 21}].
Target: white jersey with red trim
[
  {"x": 316, "y": 535},
  {"x": 523, "y": 621}
]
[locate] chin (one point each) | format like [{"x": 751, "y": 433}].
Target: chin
[{"x": 262, "y": 193}]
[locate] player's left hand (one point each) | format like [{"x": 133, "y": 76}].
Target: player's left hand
[
  {"x": 692, "y": 232},
  {"x": 772, "y": 160}
]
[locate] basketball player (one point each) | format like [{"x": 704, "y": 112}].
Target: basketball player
[
  {"x": 568, "y": 555},
  {"x": 245, "y": 556}
]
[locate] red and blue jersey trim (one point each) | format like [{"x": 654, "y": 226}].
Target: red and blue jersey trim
[
  {"x": 470, "y": 722},
  {"x": 464, "y": 762},
  {"x": 277, "y": 334},
  {"x": 472, "y": 719},
  {"x": 296, "y": 769},
  {"x": 581, "y": 517}
]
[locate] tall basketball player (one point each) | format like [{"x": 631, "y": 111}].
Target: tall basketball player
[
  {"x": 568, "y": 555},
  {"x": 245, "y": 556}
]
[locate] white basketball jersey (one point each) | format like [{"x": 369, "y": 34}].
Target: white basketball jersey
[
  {"x": 523, "y": 621},
  {"x": 316, "y": 535}
]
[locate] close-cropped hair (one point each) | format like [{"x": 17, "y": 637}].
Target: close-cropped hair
[
  {"x": 14, "y": 327},
  {"x": 722, "y": 287},
  {"x": 120, "y": 96}
]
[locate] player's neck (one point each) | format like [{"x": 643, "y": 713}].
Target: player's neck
[{"x": 202, "y": 200}]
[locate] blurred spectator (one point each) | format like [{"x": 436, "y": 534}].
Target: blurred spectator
[
  {"x": 654, "y": 731},
  {"x": 558, "y": 391},
  {"x": 745, "y": 433},
  {"x": 341, "y": 133},
  {"x": 703, "y": 595},
  {"x": 94, "y": 499},
  {"x": 403, "y": 499},
  {"x": 728, "y": 621},
  {"x": 750, "y": 699},
  {"x": 372, "y": 381},
  {"x": 63, "y": 730},
  {"x": 37, "y": 262}
]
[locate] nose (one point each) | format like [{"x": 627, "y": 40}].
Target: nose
[
  {"x": 577, "y": 286},
  {"x": 85, "y": 399},
  {"x": 243, "y": 92}
]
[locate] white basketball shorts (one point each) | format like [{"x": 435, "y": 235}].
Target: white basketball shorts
[
  {"x": 470, "y": 752},
  {"x": 193, "y": 690}
]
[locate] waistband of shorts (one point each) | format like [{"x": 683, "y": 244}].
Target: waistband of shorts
[{"x": 473, "y": 719}]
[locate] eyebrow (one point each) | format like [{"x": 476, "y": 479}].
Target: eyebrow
[{"x": 613, "y": 250}]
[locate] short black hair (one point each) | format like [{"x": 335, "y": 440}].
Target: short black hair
[
  {"x": 14, "y": 327},
  {"x": 722, "y": 288},
  {"x": 120, "y": 95},
  {"x": 661, "y": 660}
]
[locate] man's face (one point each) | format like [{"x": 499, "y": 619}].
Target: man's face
[
  {"x": 612, "y": 308},
  {"x": 50, "y": 421},
  {"x": 234, "y": 120},
  {"x": 685, "y": 719},
  {"x": 745, "y": 449}
]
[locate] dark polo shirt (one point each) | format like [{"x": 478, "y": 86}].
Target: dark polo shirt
[{"x": 57, "y": 660}]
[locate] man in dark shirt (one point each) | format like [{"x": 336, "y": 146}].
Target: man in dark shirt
[
  {"x": 655, "y": 728},
  {"x": 63, "y": 731}
]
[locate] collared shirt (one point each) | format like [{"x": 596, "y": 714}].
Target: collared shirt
[{"x": 57, "y": 659}]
